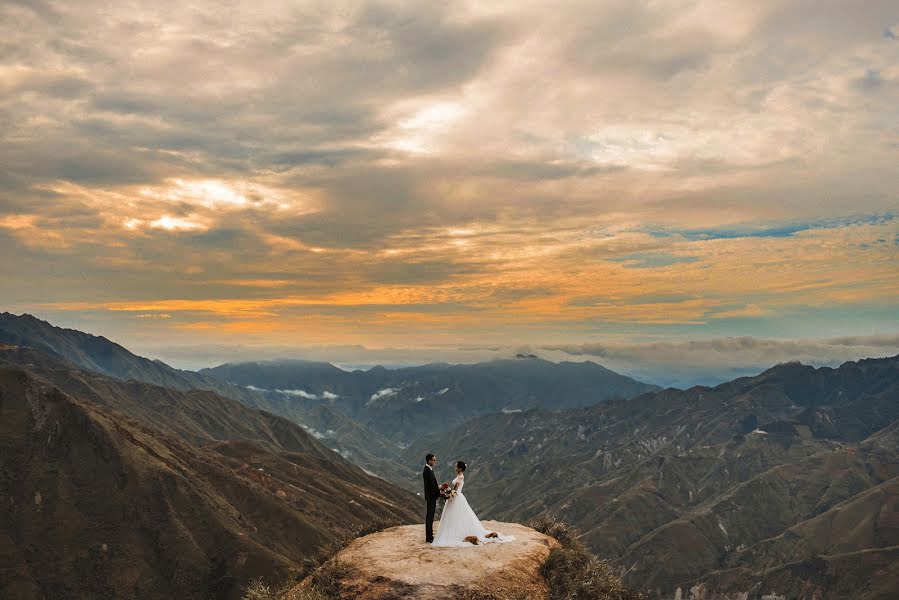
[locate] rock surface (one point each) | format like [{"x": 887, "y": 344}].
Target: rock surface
[{"x": 397, "y": 563}]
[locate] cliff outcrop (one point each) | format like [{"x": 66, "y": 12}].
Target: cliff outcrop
[{"x": 397, "y": 563}]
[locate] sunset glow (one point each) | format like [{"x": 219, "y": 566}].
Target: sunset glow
[{"x": 451, "y": 175}]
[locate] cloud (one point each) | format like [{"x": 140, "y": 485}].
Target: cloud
[
  {"x": 168, "y": 223},
  {"x": 383, "y": 394},
  {"x": 318, "y": 434},
  {"x": 298, "y": 393},
  {"x": 712, "y": 361},
  {"x": 679, "y": 363},
  {"x": 403, "y": 171}
]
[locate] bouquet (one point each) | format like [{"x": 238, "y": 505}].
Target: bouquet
[{"x": 446, "y": 491}]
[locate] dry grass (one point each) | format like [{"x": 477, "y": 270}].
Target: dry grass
[
  {"x": 328, "y": 550},
  {"x": 259, "y": 590},
  {"x": 563, "y": 533},
  {"x": 325, "y": 571},
  {"x": 573, "y": 572},
  {"x": 478, "y": 594},
  {"x": 326, "y": 579}
]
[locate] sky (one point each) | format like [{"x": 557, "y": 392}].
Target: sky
[{"x": 678, "y": 189}]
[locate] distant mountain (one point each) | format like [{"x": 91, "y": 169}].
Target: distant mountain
[
  {"x": 287, "y": 375},
  {"x": 696, "y": 487},
  {"x": 98, "y": 505},
  {"x": 844, "y": 541},
  {"x": 403, "y": 404},
  {"x": 198, "y": 417},
  {"x": 368, "y": 416},
  {"x": 357, "y": 443},
  {"x": 100, "y": 355}
]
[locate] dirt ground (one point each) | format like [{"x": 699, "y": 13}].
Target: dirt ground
[{"x": 397, "y": 563}]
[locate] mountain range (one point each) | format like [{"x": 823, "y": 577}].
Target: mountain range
[
  {"x": 404, "y": 404},
  {"x": 99, "y": 355},
  {"x": 116, "y": 488},
  {"x": 367, "y": 416},
  {"x": 720, "y": 487},
  {"x": 783, "y": 484}
]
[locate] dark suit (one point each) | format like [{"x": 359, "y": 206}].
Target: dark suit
[{"x": 432, "y": 492}]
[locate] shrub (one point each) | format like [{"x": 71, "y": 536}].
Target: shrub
[
  {"x": 573, "y": 572},
  {"x": 259, "y": 590},
  {"x": 565, "y": 534},
  {"x": 326, "y": 579},
  {"x": 330, "y": 548},
  {"x": 327, "y": 572}
]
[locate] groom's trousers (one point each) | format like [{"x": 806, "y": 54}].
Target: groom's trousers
[{"x": 429, "y": 519}]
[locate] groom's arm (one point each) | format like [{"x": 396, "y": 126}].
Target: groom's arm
[
  {"x": 427, "y": 477},
  {"x": 435, "y": 487}
]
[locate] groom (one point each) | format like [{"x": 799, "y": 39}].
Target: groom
[{"x": 432, "y": 492}]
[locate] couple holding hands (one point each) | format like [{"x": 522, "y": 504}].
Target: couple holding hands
[{"x": 459, "y": 526}]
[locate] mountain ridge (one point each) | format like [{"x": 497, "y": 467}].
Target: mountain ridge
[
  {"x": 98, "y": 505},
  {"x": 715, "y": 490},
  {"x": 196, "y": 416},
  {"x": 652, "y": 481},
  {"x": 373, "y": 413},
  {"x": 86, "y": 351},
  {"x": 101, "y": 355},
  {"x": 408, "y": 402}
]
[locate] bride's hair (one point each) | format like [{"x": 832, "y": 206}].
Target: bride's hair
[{"x": 461, "y": 466}]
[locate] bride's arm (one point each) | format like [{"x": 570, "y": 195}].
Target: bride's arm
[{"x": 458, "y": 483}]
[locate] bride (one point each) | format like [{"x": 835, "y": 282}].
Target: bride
[{"x": 458, "y": 521}]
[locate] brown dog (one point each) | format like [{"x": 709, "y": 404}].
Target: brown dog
[
  {"x": 492, "y": 534},
  {"x": 473, "y": 539}
]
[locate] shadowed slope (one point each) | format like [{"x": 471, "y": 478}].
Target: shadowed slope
[
  {"x": 99, "y": 355},
  {"x": 196, "y": 416},
  {"x": 96, "y": 505}
]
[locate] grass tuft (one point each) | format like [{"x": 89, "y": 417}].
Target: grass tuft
[
  {"x": 573, "y": 572},
  {"x": 565, "y": 534},
  {"x": 325, "y": 570},
  {"x": 259, "y": 590},
  {"x": 477, "y": 594},
  {"x": 329, "y": 549},
  {"x": 326, "y": 579}
]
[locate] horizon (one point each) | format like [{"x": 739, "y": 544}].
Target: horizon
[
  {"x": 678, "y": 192},
  {"x": 654, "y": 366}
]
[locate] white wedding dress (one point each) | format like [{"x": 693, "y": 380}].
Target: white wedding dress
[{"x": 458, "y": 521}]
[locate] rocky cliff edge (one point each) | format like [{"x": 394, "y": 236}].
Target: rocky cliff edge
[{"x": 397, "y": 563}]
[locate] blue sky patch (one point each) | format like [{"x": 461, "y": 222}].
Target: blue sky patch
[
  {"x": 771, "y": 231},
  {"x": 649, "y": 260}
]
